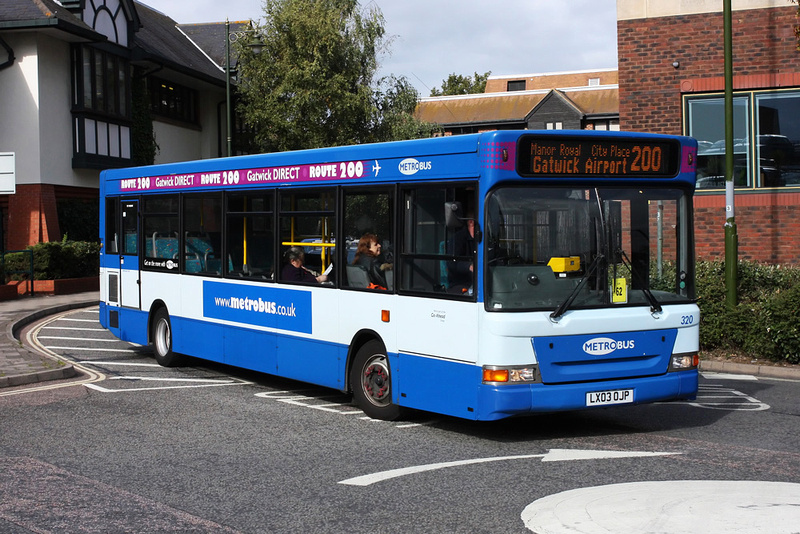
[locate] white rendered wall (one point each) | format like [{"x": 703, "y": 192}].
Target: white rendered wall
[{"x": 643, "y": 9}]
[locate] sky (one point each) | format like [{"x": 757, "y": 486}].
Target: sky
[{"x": 431, "y": 39}]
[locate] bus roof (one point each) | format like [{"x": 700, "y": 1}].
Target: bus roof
[{"x": 442, "y": 158}]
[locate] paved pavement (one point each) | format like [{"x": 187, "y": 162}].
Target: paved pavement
[{"x": 21, "y": 365}]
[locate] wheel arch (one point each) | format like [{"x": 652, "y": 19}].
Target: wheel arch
[
  {"x": 154, "y": 307},
  {"x": 359, "y": 340}
]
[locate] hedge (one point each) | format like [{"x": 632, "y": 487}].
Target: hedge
[
  {"x": 764, "y": 323},
  {"x": 57, "y": 260}
]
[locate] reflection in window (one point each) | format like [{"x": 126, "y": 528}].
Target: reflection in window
[
  {"x": 436, "y": 258},
  {"x": 707, "y": 125},
  {"x": 772, "y": 161},
  {"x": 778, "y": 116}
]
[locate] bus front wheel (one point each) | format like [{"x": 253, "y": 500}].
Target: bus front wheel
[
  {"x": 162, "y": 340},
  {"x": 371, "y": 380}
]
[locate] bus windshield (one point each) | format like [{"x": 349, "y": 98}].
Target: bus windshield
[{"x": 560, "y": 248}]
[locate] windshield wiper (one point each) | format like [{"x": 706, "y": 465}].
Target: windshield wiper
[
  {"x": 654, "y": 304},
  {"x": 564, "y": 306}
]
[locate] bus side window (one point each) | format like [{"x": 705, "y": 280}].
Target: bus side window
[
  {"x": 202, "y": 234},
  {"x": 436, "y": 258},
  {"x": 369, "y": 218},
  {"x": 112, "y": 233},
  {"x": 308, "y": 220},
  {"x": 250, "y": 236},
  {"x": 161, "y": 240}
]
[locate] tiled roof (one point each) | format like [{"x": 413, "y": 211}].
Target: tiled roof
[
  {"x": 25, "y": 14},
  {"x": 513, "y": 106},
  {"x": 480, "y": 108},
  {"x": 161, "y": 41},
  {"x": 596, "y": 101}
]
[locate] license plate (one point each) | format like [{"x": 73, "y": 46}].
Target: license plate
[{"x": 614, "y": 396}]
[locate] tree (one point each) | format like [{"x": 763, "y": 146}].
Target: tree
[
  {"x": 313, "y": 84},
  {"x": 456, "y": 84}
]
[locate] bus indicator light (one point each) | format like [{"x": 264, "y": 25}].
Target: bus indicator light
[
  {"x": 495, "y": 375},
  {"x": 385, "y": 316}
]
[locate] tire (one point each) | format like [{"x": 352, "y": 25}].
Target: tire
[
  {"x": 371, "y": 381},
  {"x": 161, "y": 337}
]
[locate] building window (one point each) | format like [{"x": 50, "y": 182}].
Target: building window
[
  {"x": 772, "y": 161},
  {"x": 173, "y": 101},
  {"x": 778, "y": 148},
  {"x": 594, "y": 82},
  {"x": 516, "y": 85},
  {"x": 100, "y": 108},
  {"x": 555, "y": 126}
]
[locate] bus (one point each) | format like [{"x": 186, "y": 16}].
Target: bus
[{"x": 523, "y": 271}]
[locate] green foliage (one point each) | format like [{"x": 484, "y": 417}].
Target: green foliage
[
  {"x": 78, "y": 219},
  {"x": 313, "y": 85},
  {"x": 765, "y": 321},
  {"x": 457, "y": 84},
  {"x": 57, "y": 259}
]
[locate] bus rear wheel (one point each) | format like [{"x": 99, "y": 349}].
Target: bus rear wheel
[
  {"x": 371, "y": 380},
  {"x": 162, "y": 340}
]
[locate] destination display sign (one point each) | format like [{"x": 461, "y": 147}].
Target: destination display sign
[{"x": 592, "y": 156}]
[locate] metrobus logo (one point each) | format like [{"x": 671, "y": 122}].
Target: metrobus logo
[
  {"x": 411, "y": 166},
  {"x": 600, "y": 346}
]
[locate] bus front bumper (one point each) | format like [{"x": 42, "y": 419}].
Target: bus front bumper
[{"x": 501, "y": 401}]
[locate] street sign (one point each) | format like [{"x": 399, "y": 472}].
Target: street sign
[{"x": 8, "y": 181}]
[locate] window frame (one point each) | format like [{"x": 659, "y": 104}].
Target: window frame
[
  {"x": 101, "y": 108},
  {"x": 751, "y": 98},
  {"x": 405, "y": 233}
]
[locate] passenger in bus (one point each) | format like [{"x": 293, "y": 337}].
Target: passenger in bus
[
  {"x": 368, "y": 256},
  {"x": 294, "y": 271},
  {"x": 463, "y": 244}
]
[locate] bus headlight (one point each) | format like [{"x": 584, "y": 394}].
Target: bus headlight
[
  {"x": 684, "y": 361},
  {"x": 525, "y": 374}
]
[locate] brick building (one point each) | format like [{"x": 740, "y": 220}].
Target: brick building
[{"x": 671, "y": 80}]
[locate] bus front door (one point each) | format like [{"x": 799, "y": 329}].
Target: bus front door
[{"x": 129, "y": 255}]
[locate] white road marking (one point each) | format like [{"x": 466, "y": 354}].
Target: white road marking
[
  {"x": 88, "y": 349},
  {"x": 130, "y": 364},
  {"x": 728, "y": 376},
  {"x": 670, "y": 507},
  {"x": 154, "y": 379},
  {"x": 79, "y": 328},
  {"x": 79, "y": 338},
  {"x": 553, "y": 455},
  {"x": 193, "y": 383},
  {"x": 76, "y": 320},
  {"x": 718, "y": 397}
]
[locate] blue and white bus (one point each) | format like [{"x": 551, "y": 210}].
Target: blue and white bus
[{"x": 523, "y": 271}]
